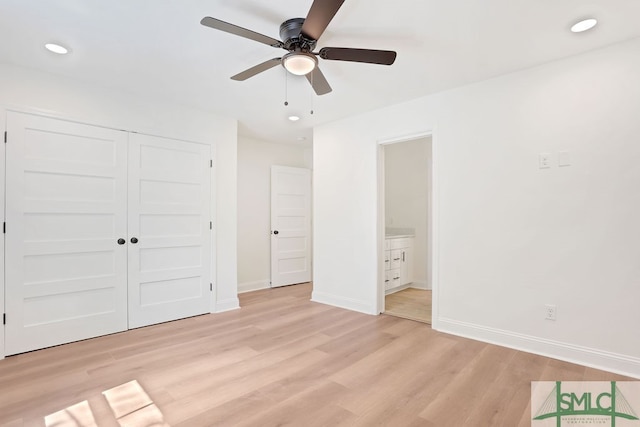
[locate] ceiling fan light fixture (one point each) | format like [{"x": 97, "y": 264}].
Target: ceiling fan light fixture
[{"x": 299, "y": 63}]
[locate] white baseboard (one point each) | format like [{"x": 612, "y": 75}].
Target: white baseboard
[
  {"x": 413, "y": 285},
  {"x": 342, "y": 302},
  {"x": 253, "y": 286},
  {"x": 420, "y": 285},
  {"x": 598, "y": 359},
  {"x": 398, "y": 289},
  {"x": 227, "y": 305}
]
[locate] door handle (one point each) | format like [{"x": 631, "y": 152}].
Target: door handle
[
  {"x": 134, "y": 240},
  {"x": 275, "y": 231},
  {"x": 121, "y": 241}
]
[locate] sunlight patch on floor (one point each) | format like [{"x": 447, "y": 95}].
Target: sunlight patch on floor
[
  {"x": 78, "y": 415},
  {"x": 130, "y": 405}
]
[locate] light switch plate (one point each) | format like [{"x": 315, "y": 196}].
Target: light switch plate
[
  {"x": 564, "y": 159},
  {"x": 544, "y": 160}
]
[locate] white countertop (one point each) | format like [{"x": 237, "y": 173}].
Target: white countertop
[{"x": 398, "y": 236}]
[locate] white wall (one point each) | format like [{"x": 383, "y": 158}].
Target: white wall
[
  {"x": 406, "y": 195},
  {"x": 48, "y": 94},
  {"x": 255, "y": 159},
  {"x": 510, "y": 237}
]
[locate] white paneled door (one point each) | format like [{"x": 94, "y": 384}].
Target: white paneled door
[
  {"x": 66, "y": 197},
  {"x": 105, "y": 230},
  {"x": 169, "y": 229},
  {"x": 290, "y": 225}
]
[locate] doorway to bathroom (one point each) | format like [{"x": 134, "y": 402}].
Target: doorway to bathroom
[{"x": 406, "y": 189}]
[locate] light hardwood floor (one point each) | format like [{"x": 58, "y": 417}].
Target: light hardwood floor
[
  {"x": 280, "y": 360},
  {"x": 410, "y": 303}
]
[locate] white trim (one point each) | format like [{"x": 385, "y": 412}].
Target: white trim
[
  {"x": 413, "y": 285},
  {"x": 406, "y": 138},
  {"x": 598, "y": 359},
  {"x": 432, "y": 220},
  {"x": 419, "y": 285},
  {"x": 279, "y": 278},
  {"x": 227, "y": 305},
  {"x": 380, "y": 238},
  {"x": 341, "y": 302},
  {"x": 213, "y": 215},
  {"x": 106, "y": 124},
  {"x": 3, "y": 128},
  {"x": 397, "y": 289},
  {"x": 253, "y": 286}
]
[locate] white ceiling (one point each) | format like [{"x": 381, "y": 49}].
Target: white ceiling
[{"x": 158, "y": 49}]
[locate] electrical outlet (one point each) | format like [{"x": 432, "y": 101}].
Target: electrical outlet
[{"x": 550, "y": 312}]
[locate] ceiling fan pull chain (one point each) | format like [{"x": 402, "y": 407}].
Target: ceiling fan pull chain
[
  {"x": 311, "y": 93},
  {"x": 286, "y": 92}
]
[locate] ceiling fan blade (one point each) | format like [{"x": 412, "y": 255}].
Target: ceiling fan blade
[
  {"x": 370, "y": 56},
  {"x": 318, "y": 18},
  {"x": 257, "y": 69},
  {"x": 217, "y": 24},
  {"x": 318, "y": 82}
]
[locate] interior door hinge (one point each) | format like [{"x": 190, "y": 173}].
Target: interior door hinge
[
  {"x": 210, "y": 162},
  {"x": 211, "y": 287},
  {"x": 210, "y": 225},
  {"x": 5, "y": 136},
  {"x": 4, "y": 228},
  {"x": 4, "y": 318}
]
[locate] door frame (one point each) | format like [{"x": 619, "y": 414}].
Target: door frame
[
  {"x": 309, "y": 207},
  {"x": 432, "y": 220},
  {"x": 3, "y": 151}
]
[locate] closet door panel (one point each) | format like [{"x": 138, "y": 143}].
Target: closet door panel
[
  {"x": 169, "y": 214},
  {"x": 65, "y": 211}
]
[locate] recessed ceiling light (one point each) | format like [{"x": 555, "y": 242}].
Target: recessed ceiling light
[
  {"x": 56, "y": 48},
  {"x": 584, "y": 25},
  {"x": 294, "y": 118}
]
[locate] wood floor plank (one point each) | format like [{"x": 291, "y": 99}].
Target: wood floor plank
[
  {"x": 465, "y": 392},
  {"x": 410, "y": 303},
  {"x": 303, "y": 409},
  {"x": 284, "y": 360},
  {"x": 507, "y": 396},
  {"x": 408, "y": 385}
]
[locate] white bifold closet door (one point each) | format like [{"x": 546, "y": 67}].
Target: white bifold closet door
[
  {"x": 77, "y": 198},
  {"x": 66, "y": 207},
  {"x": 169, "y": 214}
]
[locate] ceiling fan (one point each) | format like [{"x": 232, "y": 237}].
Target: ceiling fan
[{"x": 299, "y": 36}]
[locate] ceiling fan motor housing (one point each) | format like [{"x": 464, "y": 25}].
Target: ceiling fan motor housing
[{"x": 292, "y": 38}]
